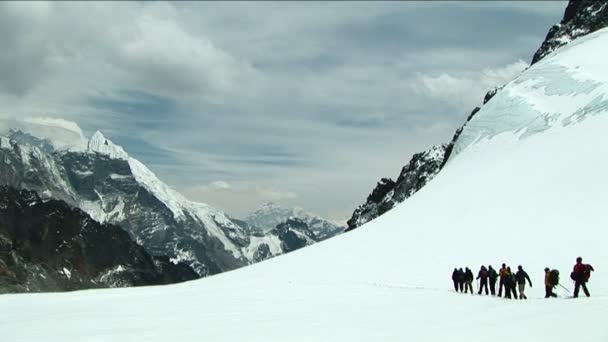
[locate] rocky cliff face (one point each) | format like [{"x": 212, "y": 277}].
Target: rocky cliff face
[
  {"x": 47, "y": 245},
  {"x": 580, "y": 18},
  {"x": 286, "y": 237},
  {"x": 113, "y": 188},
  {"x": 420, "y": 170}
]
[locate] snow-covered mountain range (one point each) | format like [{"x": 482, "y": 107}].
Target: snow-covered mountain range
[
  {"x": 47, "y": 245},
  {"x": 105, "y": 182},
  {"x": 275, "y": 230},
  {"x": 101, "y": 178},
  {"x": 525, "y": 184}
]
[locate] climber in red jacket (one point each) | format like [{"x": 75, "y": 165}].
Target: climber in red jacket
[{"x": 580, "y": 274}]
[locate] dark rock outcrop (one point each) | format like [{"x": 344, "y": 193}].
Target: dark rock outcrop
[
  {"x": 112, "y": 188},
  {"x": 47, "y": 245},
  {"x": 580, "y": 18},
  {"x": 294, "y": 234},
  {"x": 417, "y": 173},
  {"x": 286, "y": 237}
]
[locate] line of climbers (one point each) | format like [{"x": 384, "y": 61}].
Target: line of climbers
[{"x": 511, "y": 282}]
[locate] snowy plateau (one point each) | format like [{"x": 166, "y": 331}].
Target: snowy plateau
[{"x": 526, "y": 185}]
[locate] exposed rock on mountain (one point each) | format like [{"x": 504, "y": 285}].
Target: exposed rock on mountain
[
  {"x": 46, "y": 245},
  {"x": 286, "y": 237},
  {"x": 110, "y": 186},
  {"x": 269, "y": 215},
  {"x": 580, "y": 18},
  {"x": 388, "y": 193},
  {"x": 115, "y": 188}
]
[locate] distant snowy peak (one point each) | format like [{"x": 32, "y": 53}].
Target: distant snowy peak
[
  {"x": 580, "y": 18},
  {"x": 286, "y": 237},
  {"x": 60, "y": 134},
  {"x": 173, "y": 200},
  {"x": 102, "y": 180},
  {"x": 22, "y": 138},
  {"x": 269, "y": 215},
  {"x": 212, "y": 219},
  {"x": 100, "y": 144}
]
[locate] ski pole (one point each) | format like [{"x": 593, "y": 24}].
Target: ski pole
[{"x": 563, "y": 287}]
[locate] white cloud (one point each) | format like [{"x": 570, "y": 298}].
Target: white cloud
[
  {"x": 137, "y": 45},
  {"x": 63, "y": 134},
  {"x": 466, "y": 89},
  {"x": 220, "y": 185},
  {"x": 163, "y": 56}
]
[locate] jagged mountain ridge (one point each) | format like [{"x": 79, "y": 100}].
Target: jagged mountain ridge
[
  {"x": 580, "y": 18},
  {"x": 47, "y": 245},
  {"x": 420, "y": 170},
  {"x": 115, "y": 188},
  {"x": 104, "y": 181}
]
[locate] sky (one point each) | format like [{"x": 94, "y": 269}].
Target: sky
[{"x": 234, "y": 104}]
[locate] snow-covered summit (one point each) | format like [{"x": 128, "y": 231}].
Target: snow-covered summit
[
  {"x": 100, "y": 144},
  {"x": 269, "y": 215},
  {"x": 59, "y": 133},
  {"x": 112, "y": 187}
]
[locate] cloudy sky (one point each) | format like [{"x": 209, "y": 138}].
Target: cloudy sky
[{"x": 237, "y": 103}]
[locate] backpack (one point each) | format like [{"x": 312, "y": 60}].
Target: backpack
[
  {"x": 587, "y": 273},
  {"x": 492, "y": 274},
  {"x": 554, "y": 277}
]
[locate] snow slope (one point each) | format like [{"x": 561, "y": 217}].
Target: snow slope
[
  {"x": 507, "y": 196},
  {"x": 178, "y": 204}
]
